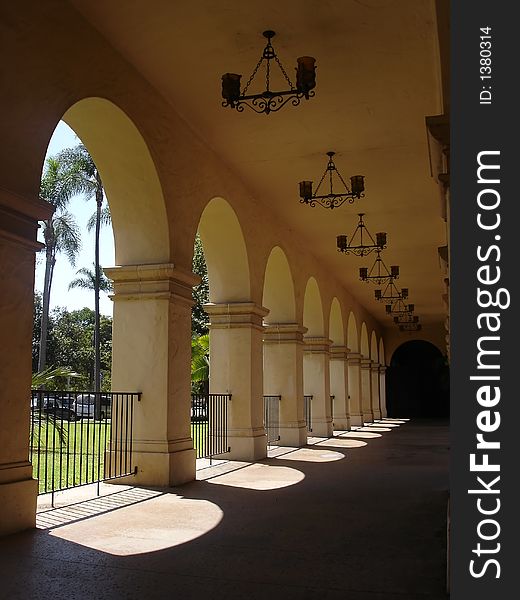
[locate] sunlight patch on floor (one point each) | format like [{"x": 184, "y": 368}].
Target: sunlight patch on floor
[
  {"x": 158, "y": 523},
  {"x": 342, "y": 443},
  {"x": 310, "y": 455},
  {"x": 260, "y": 476},
  {"x": 361, "y": 434}
]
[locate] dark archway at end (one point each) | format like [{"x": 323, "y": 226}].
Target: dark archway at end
[{"x": 418, "y": 382}]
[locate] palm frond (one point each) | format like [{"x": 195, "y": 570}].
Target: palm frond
[
  {"x": 105, "y": 219},
  {"x": 67, "y": 235}
]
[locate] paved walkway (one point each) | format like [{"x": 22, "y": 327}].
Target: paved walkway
[{"x": 361, "y": 516}]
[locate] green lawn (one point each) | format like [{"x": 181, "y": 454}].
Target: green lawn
[{"x": 78, "y": 457}]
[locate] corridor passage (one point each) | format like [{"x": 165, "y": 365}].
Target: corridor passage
[{"x": 360, "y": 516}]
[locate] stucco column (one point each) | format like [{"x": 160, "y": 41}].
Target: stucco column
[
  {"x": 316, "y": 382},
  {"x": 354, "y": 388},
  {"x": 366, "y": 390},
  {"x": 236, "y": 358},
  {"x": 152, "y": 354},
  {"x": 283, "y": 375},
  {"x": 382, "y": 390},
  {"x": 339, "y": 387},
  {"x": 18, "y": 226},
  {"x": 376, "y": 410}
]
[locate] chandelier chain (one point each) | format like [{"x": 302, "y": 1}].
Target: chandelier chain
[
  {"x": 252, "y": 76},
  {"x": 283, "y": 72},
  {"x": 321, "y": 181}
]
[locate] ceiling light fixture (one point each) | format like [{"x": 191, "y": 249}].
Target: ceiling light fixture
[
  {"x": 390, "y": 293},
  {"x": 404, "y": 319},
  {"x": 379, "y": 272},
  {"x": 332, "y": 199},
  {"x": 357, "y": 244},
  {"x": 413, "y": 326},
  {"x": 399, "y": 308},
  {"x": 269, "y": 101}
]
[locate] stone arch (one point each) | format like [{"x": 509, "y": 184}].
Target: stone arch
[
  {"x": 336, "y": 328},
  {"x": 418, "y": 381},
  {"x": 352, "y": 333},
  {"x": 382, "y": 357},
  {"x": 130, "y": 179},
  {"x": 278, "y": 293},
  {"x": 365, "y": 349},
  {"x": 374, "y": 351},
  {"x": 313, "y": 309},
  {"x": 225, "y": 253}
]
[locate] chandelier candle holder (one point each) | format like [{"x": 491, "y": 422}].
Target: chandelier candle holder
[
  {"x": 391, "y": 293},
  {"x": 332, "y": 199},
  {"x": 358, "y": 245},
  {"x": 403, "y": 319},
  {"x": 379, "y": 272},
  {"x": 270, "y": 101},
  {"x": 399, "y": 308},
  {"x": 410, "y": 327}
]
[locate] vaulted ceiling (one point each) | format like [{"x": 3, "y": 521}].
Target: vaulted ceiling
[{"x": 378, "y": 77}]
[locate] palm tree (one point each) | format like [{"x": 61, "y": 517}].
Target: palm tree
[
  {"x": 87, "y": 180},
  {"x": 87, "y": 281},
  {"x": 61, "y": 234},
  {"x": 200, "y": 361}
]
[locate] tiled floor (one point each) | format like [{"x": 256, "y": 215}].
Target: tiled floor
[{"x": 361, "y": 516}]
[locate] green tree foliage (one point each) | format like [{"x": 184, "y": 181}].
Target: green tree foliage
[
  {"x": 200, "y": 363},
  {"x": 61, "y": 235},
  {"x": 87, "y": 180},
  {"x": 70, "y": 338},
  {"x": 87, "y": 280},
  {"x": 199, "y": 319}
]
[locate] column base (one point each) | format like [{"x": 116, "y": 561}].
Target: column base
[
  {"x": 368, "y": 417},
  {"x": 162, "y": 469},
  {"x": 321, "y": 429},
  {"x": 18, "y": 502},
  {"x": 341, "y": 423},
  {"x": 249, "y": 448},
  {"x": 293, "y": 436},
  {"x": 377, "y": 414},
  {"x": 384, "y": 414},
  {"x": 356, "y": 420}
]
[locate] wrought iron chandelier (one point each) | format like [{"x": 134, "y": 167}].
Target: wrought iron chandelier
[
  {"x": 270, "y": 101},
  {"x": 406, "y": 319},
  {"x": 391, "y": 293},
  {"x": 413, "y": 326},
  {"x": 357, "y": 244},
  {"x": 379, "y": 272},
  {"x": 400, "y": 309},
  {"x": 332, "y": 199}
]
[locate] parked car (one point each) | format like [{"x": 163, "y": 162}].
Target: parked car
[
  {"x": 59, "y": 408},
  {"x": 84, "y": 405}
]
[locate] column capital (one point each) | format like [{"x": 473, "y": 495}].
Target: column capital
[
  {"x": 339, "y": 352},
  {"x": 315, "y": 345},
  {"x": 236, "y": 314},
  {"x": 375, "y": 366},
  {"x": 152, "y": 282},
  {"x": 366, "y": 363},
  {"x": 19, "y": 218},
  {"x": 382, "y": 369},
  {"x": 279, "y": 333},
  {"x": 354, "y": 358}
]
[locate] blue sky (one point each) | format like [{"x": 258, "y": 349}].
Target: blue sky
[{"x": 64, "y": 273}]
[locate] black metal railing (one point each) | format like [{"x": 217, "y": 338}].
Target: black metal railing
[
  {"x": 209, "y": 424},
  {"x": 272, "y": 418},
  {"x": 80, "y": 438},
  {"x": 307, "y": 409}
]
